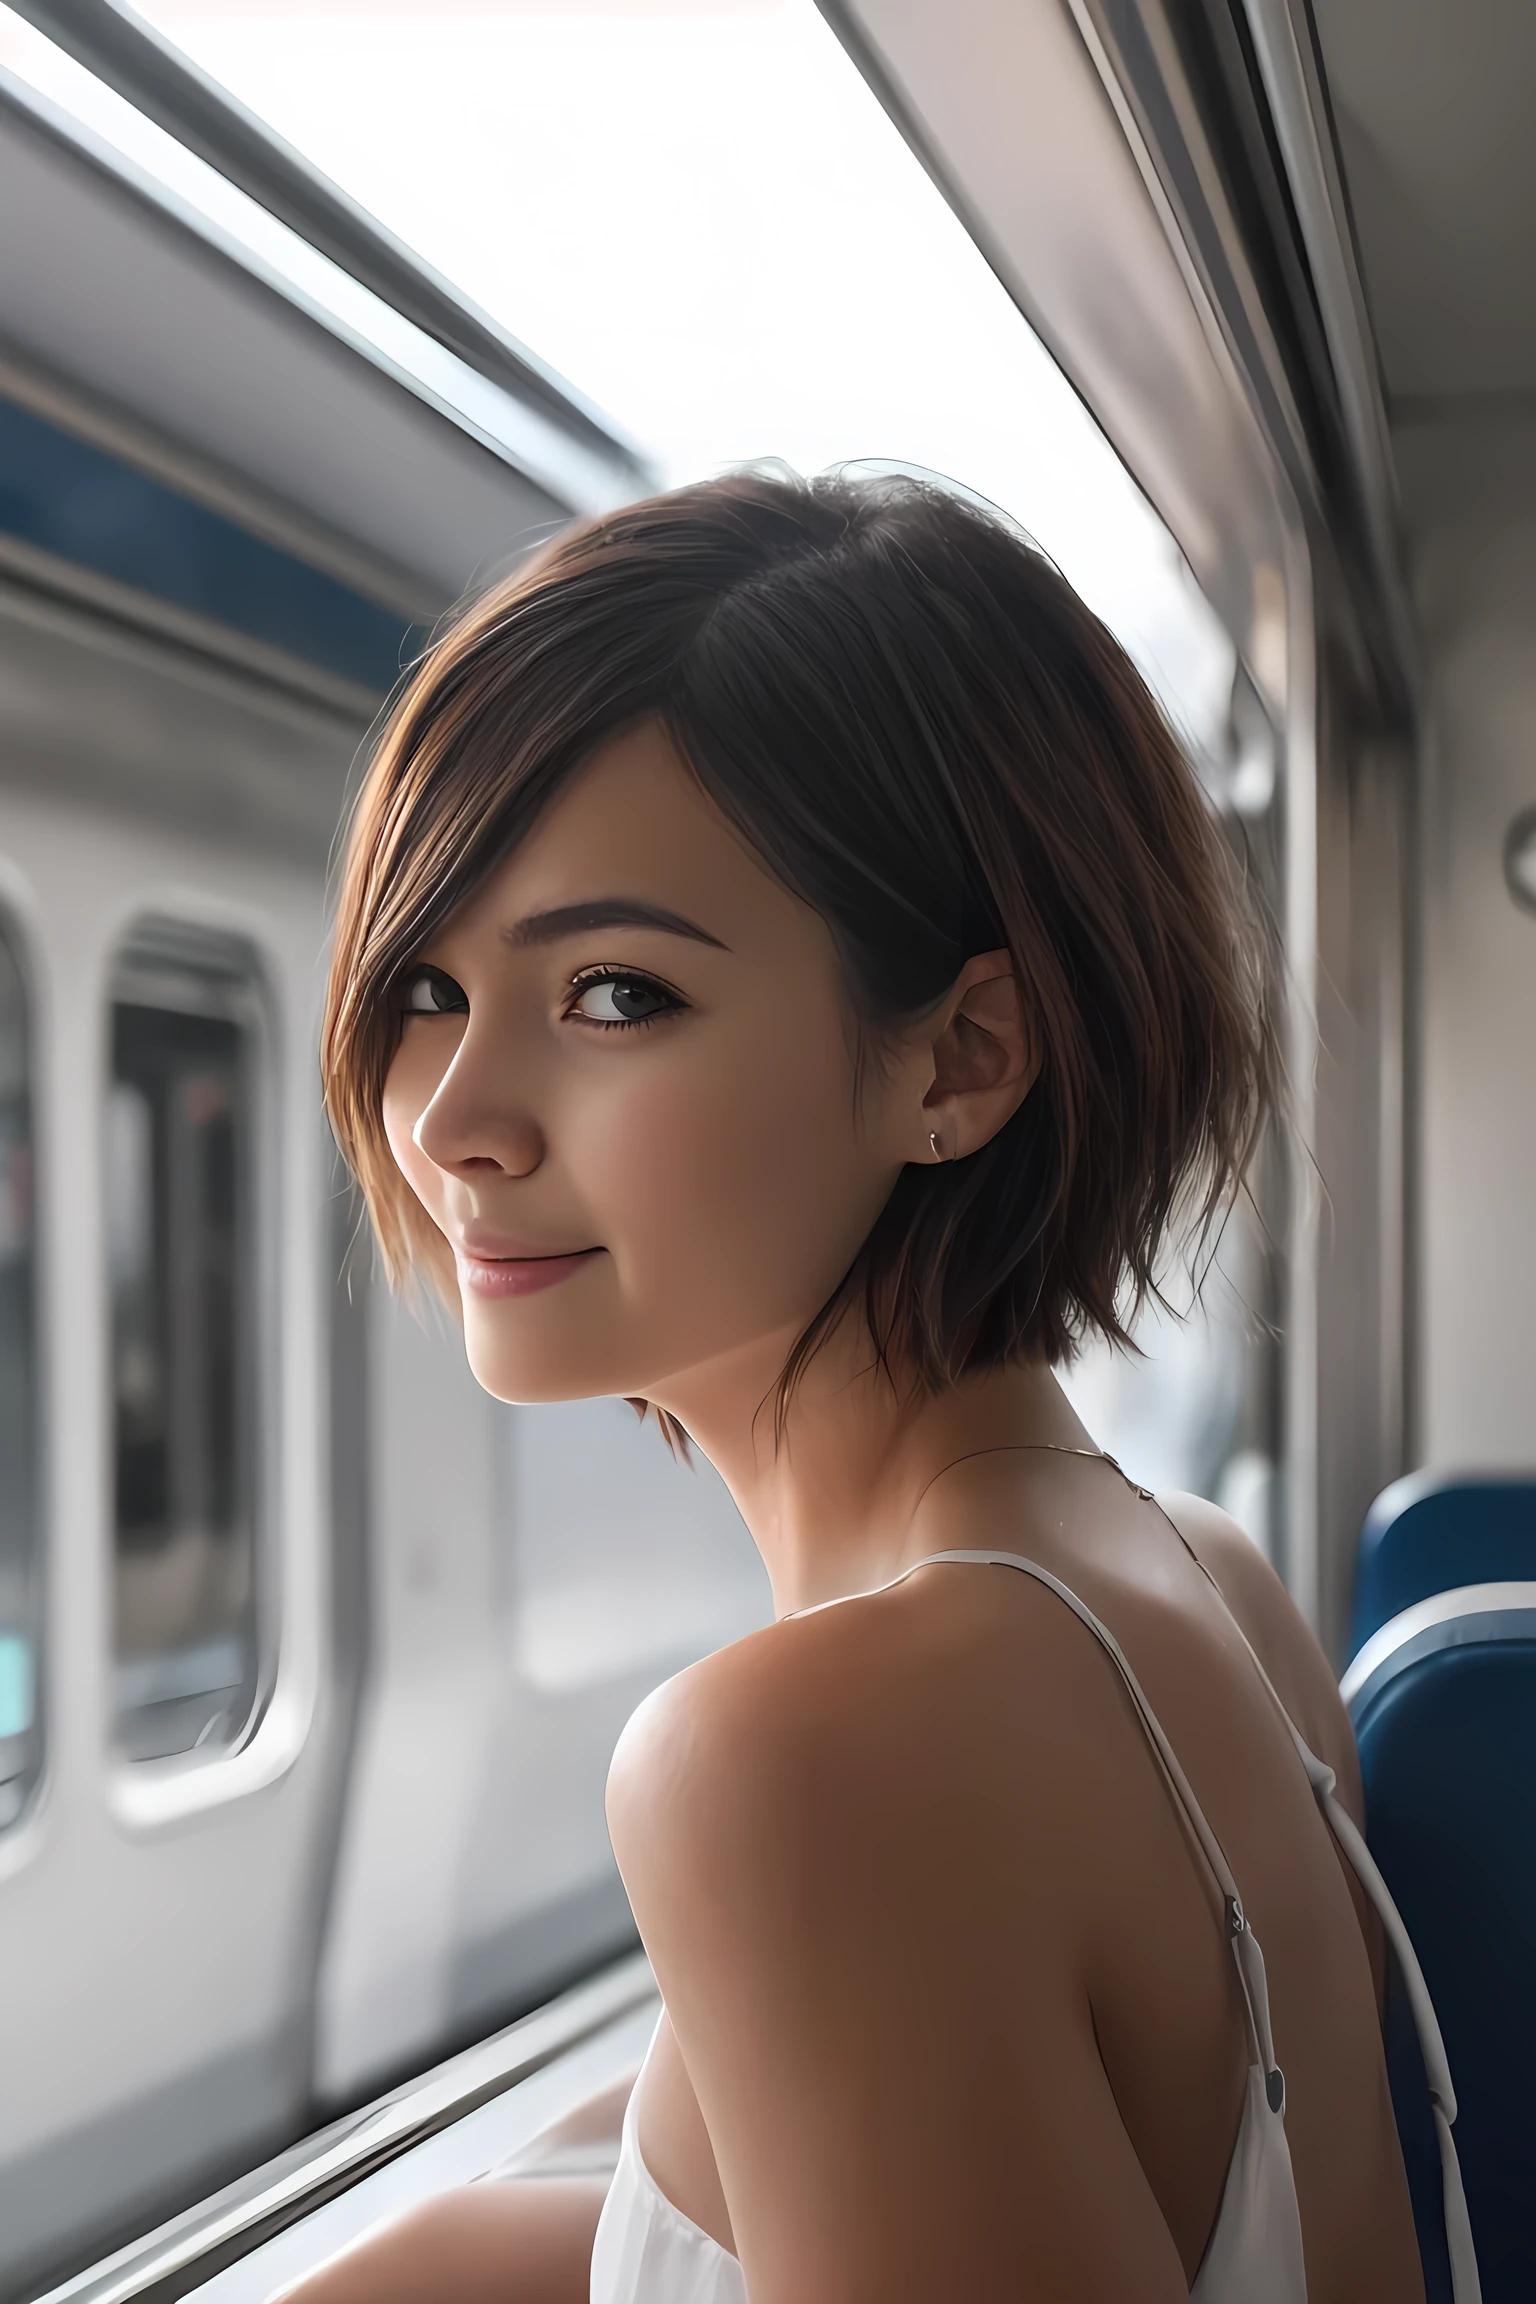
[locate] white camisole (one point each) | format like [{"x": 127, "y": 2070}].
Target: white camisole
[{"x": 648, "y": 2252}]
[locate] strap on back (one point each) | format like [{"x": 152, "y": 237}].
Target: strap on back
[
  {"x": 1466, "y": 2284},
  {"x": 1245, "y": 1945}
]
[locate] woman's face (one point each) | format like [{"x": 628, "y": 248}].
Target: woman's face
[{"x": 625, "y": 1094}]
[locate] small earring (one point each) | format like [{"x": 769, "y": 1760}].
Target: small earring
[{"x": 933, "y": 1138}]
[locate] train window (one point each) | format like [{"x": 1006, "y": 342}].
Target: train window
[
  {"x": 1197, "y": 1406},
  {"x": 1194, "y": 1408},
  {"x": 20, "y": 1564},
  {"x": 181, "y": 1170}
]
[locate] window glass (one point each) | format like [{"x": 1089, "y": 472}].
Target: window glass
[
  {"x": 628, "y": 1563},
  {"x": 821, "y": 303},
  {"x": 181, "y": 1222},
  {"x": 1195, "y": 1407},
  {"x": 738, "y": 255},
  {"x": 20, "y": 1564}
]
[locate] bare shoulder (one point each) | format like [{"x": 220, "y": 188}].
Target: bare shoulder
[
  {"x": 1279, "y": 1634},
  {"x": 707, "y": 1751},
  {"x": 1247, "y": 1581},
  {"x": 849, "y": 1727},
  {"x": 843, "y": 1839}
]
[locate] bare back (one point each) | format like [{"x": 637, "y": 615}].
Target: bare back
[{"x": 950, "y": 1773}]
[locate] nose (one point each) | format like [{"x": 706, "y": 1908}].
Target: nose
[{"x": 472, "y": 1128}]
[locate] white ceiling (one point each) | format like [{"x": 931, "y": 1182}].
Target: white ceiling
[{"x": 1435, "y": 106}]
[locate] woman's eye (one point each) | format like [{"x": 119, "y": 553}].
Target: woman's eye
[
  {"x": 617, "y": 999},
  {"x": 430, "y": 993}
]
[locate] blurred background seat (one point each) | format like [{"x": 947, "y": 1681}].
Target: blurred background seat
[
  {"x": 1443, "y": 1699},
  {"x": 1437, "y": 1530}
]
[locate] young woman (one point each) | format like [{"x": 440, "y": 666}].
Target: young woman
[{"x": 786, "y": 974}]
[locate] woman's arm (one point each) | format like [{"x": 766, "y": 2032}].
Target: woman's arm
[
  {"x": 526, "y": 2241},
  {"x": 522, "y": 2237}
]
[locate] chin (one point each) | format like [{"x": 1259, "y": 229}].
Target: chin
[
  {"x": 529, "y": 1362},
  {"x": 538, "y": 1350},
  {"x": 529, "y": 1379}
]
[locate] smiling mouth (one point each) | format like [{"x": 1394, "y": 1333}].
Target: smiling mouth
[{"x": 517, "y": 1275}]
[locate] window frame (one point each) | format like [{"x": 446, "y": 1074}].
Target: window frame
[
  {"x": 16, "y": 935},
  {"x": 171, "y": 938}
]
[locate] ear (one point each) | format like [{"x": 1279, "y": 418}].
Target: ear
[{"x": 984, "y": 1056}]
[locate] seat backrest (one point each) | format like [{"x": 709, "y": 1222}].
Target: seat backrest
[
  {"x": 1436, "y": 1530},
  {"x": 1443, "y": 1699}
]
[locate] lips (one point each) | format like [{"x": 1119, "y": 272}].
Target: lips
[{"x": 518, "y": 1275}]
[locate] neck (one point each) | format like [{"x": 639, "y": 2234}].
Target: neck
[{"x": 832, "y": 1500}]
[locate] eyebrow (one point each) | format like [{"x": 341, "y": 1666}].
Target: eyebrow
[{"x": 606, "y": 912}]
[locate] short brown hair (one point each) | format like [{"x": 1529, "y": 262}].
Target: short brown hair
[{"x": 925, "y": 735}]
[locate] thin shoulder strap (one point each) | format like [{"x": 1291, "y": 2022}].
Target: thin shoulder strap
[
  {"x": 1466, "y": 2285},
  {"x": 1245, "y": 1945}
]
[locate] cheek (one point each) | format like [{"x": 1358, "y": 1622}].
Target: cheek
[{"x": 741, "y": 1185}]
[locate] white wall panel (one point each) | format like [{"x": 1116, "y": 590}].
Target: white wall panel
[{"x": 1470, "y": 490}]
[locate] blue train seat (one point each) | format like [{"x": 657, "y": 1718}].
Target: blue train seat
[
  {"x": 1439, "y": 1529},
  {"x": 1443, "y": 1698}
]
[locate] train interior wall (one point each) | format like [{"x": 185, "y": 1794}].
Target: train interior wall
[
  {"x": 1364, "y": 826},
  {"x": 1469, "y": 487}
]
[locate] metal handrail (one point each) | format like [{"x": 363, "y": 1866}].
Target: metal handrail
[{"x": 193, "y": 2246}]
